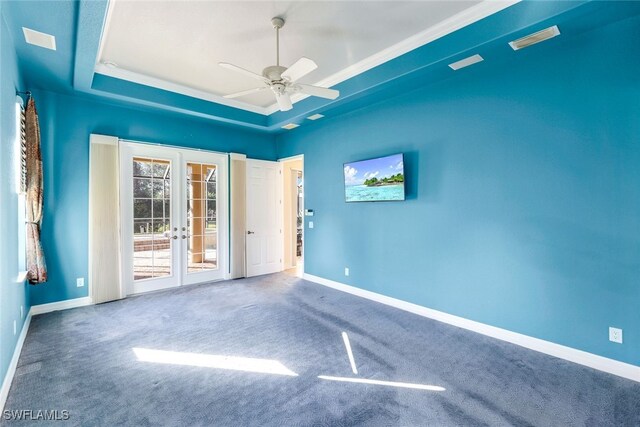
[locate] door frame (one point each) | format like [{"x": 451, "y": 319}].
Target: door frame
[
  {"x": 179, "y": 157},
  {"x": 304, "y": 201}
]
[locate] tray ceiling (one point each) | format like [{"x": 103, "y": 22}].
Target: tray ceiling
[{"x": 176, "y": 45}]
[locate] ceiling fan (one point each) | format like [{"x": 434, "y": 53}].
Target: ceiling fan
[{"x": 282, "y": 80}]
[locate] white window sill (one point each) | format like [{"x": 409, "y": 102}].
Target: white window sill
[{"x": 22, "y": 276}]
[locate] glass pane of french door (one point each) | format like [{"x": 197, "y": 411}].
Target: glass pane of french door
[
  {"x": 151, "y": 218},
  {"x": 202, "y": 223}
]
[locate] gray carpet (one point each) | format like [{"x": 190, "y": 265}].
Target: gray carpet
[{"x": 82, "y": 360}]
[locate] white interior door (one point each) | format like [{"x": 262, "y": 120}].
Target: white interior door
[
  {"x": 173, "y": 217},
  {"x": 264, "y": 243}
]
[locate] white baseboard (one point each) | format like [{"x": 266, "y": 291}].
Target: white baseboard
[
  {"x": 594, "y": 361},
  {"x": 36, "y": 309},
  {"x": 8, "y": 378},
  {"x": 60, "y": 305}
]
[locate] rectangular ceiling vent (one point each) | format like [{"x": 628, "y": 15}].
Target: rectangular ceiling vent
[
  {"x": 315, "y": 116},
  {"x": 474, "y": 59},
  {"x": 290, "y": 126},
  {"x": 531, "y": 39},
  {"x": 37, "y": 38}
]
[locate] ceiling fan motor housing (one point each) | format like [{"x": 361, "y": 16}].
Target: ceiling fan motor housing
[{"x": 274, "y": 72}]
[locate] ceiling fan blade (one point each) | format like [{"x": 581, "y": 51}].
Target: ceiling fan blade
[
  {"x": 299, "y": 69},
  {"x": 284, "y": 101},
  {"x": 242, "y": 71},
  {"x": 244, "y": 92},
  {"x": 321, "y": 92}
]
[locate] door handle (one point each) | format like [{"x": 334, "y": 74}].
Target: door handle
[{"x": 250, "y": 232}]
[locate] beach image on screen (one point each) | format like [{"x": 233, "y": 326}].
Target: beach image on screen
[{"x": 375, "y": 180}]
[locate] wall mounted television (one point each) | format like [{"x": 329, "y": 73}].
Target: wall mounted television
[{"x": 375, "y": 180}]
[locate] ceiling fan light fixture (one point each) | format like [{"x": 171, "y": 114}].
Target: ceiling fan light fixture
[{"x": 284, "y": 101}]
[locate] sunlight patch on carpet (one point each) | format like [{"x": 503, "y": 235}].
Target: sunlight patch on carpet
[
  {"x": 234, "y": 363},
  {"x": 383, "y": 383}
]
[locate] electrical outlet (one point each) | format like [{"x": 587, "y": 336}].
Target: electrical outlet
[
  {"x": 615, "y": 335},
  {"x": 346, "y": 271},
  {"x": 15, "y": 327},
  {"x": 310, "y": 224},
  {"x": 80, "y": 282}
]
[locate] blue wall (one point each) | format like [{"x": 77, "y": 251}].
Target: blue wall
[
  {"x": 13, "y": 295},
  {"x": 523, "y": 207},
  {"x": 66, "y": 123}
]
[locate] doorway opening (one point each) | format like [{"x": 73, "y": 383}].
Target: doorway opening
[{"x": 293, "y": 215}]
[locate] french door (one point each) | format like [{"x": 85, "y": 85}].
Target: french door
[{"x": 173, "y": 216}]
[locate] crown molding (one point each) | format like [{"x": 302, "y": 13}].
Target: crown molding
[{"x": 132, "y": 76}]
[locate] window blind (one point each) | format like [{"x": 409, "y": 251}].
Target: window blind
[{"x": 23, "y": 150}]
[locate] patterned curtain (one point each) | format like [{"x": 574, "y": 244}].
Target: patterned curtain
[{"x": 37, "y": 269}]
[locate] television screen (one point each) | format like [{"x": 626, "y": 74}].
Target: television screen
[{"x": 374, "y": 180}]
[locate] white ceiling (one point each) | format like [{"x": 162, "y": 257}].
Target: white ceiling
[{"x": 176, "y": 45}]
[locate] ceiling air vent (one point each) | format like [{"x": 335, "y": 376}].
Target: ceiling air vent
[
  {"x": 531, "y": 39},
  {"x": 474, "y": 59},
  {"x": 37, "y": 38},
  {"x": 315, "y": 116},
  {"x": 290, "y": 126}
]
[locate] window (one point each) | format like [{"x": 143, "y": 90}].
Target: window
[{"x": 21, "y": 182}]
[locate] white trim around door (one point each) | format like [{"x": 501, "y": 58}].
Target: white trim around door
[{"x": 284, "y": 161}]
